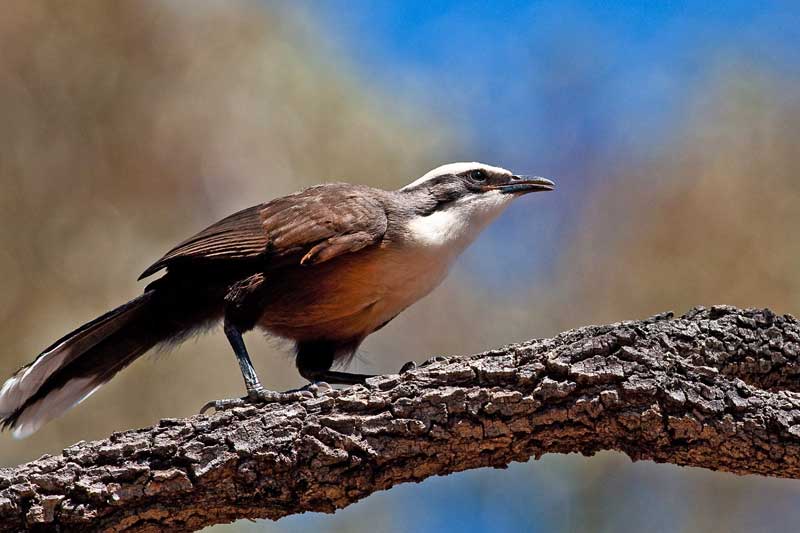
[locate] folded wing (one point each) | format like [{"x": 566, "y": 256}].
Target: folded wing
[{"x": 314, "y": 225}]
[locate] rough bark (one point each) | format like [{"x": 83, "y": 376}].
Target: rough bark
[{"x": 716, "y": 388}]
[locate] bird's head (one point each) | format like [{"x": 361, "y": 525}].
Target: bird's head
[
  {"x": 464, "y": 197},
  {"x": 457, "y": 181}
]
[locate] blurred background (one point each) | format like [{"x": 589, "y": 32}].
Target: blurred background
[{"x": 671, "y": 128}]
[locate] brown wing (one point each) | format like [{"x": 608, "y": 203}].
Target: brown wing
[
  {"x": 239, "y": 236},
  {"x": 316, "y": 224}
]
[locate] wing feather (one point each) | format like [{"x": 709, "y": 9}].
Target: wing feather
[
  {"x": 315, "y": 225},
  {"x": 238, "y": 236}
]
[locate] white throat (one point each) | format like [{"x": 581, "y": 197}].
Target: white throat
[{"x": 450, "y": 230}]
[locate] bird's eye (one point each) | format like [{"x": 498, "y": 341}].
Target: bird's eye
[{"x": 479, "y": 175}]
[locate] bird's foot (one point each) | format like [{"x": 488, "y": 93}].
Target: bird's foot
[
  {"x": 411, "y": 365},
  {"x": 261, "y": 395},
  {"x": 408, "y": 367},
  {"x": 317, "y": 388}
]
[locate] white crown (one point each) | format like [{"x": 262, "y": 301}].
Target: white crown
[{"x": 454, "y": 168}]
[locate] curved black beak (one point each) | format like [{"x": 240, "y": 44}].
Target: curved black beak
[{"x": 526, "y": 184}]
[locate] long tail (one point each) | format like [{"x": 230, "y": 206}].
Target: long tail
[{"x": 78, "y": 364}]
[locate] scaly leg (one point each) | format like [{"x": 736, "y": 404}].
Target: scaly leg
[
  {"x": 251, "y": 382},
  {"x": 255, "y": 392}
]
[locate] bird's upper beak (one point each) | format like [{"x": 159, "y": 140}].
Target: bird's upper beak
[{"x": 526, "y": 184}]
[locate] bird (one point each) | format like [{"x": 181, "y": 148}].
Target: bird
[{"x": 324, "y": 267}]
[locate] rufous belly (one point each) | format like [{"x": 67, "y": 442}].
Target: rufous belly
[{"x": 350, "y": 296}]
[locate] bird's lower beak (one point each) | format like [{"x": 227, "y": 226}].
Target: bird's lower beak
[{"x": 526, "y": 184}]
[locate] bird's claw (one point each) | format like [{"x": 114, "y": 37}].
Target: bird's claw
[
  {"x": 264, "y": 396},
  {"x": 408, "y": 367},
  {"x": 318, "y": 388},
  {"x": 221, "y": 405},
  {"x": 411, "y": 365}
]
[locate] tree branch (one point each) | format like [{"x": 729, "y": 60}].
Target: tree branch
[{"x": 715, "y": 388}]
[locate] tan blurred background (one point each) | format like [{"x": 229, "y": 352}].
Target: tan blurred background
[{"x": 127, "y": 126}]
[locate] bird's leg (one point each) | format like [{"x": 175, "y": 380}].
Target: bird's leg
[
  {"x": 337, "y": 378},
  {"x": 254, "y": 389},
  {"x": 256, "y": 393},
  {"x": 315, "y": 359},
  {"x": 241, "y": 313}
]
